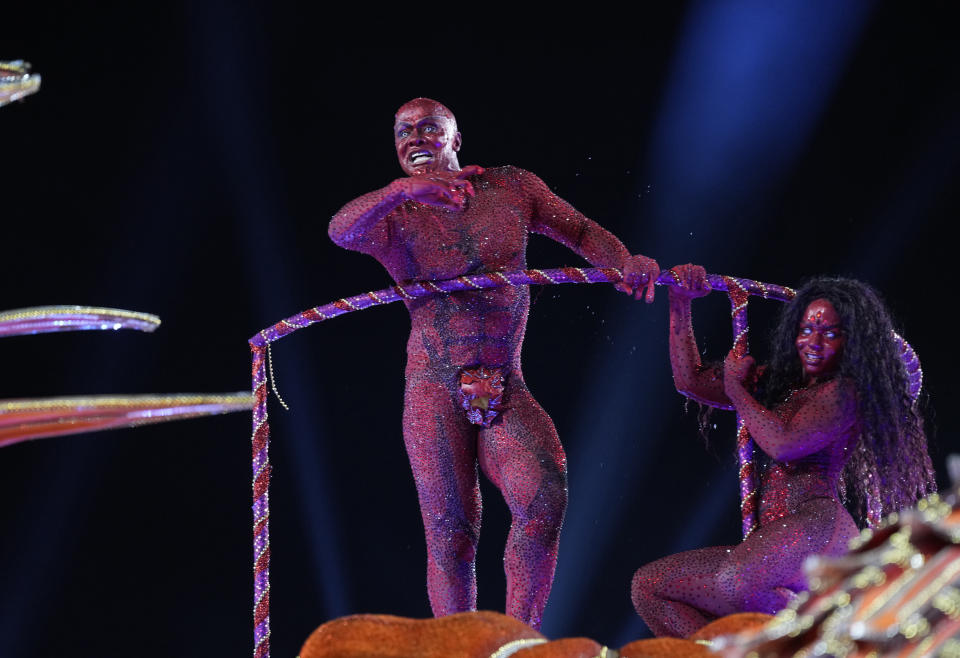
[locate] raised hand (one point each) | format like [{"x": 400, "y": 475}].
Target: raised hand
[
  {"x": 738, "y": 370},
  {"x": 442, "y": 189},
  {"x": 639, "y": 272},
  {"x": 691, "y": 281}
]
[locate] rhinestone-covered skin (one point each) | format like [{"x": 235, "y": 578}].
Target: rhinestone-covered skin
[
  {"x": 804, "y": 441},
  {"x": 520, "y": 452}
]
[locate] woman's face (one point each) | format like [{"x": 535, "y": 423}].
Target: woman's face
[{"x": 820, "y": 340}]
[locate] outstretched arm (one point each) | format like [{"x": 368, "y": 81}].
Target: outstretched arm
[
  {"x": 692, "y": 379},
  {"x": 558, "y": 220},
  {"x": 828, "y": 415},
  {"x": 358, "y": 224}
]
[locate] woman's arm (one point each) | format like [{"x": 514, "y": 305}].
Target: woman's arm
[
  {"x": 827, "y": 416},
  {"x": 692, "y": 379}
]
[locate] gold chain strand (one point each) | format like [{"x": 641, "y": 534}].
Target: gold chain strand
[{"x": 273, "y": 381}]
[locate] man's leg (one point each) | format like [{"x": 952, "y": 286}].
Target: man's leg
[
  {"x": 441, "y": 446},
  {"x": 521, "y": 454}
]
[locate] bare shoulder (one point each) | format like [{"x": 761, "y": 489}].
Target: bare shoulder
[
  {"x": 839, "y": 393},
  {"x": 509, "y": 175},
  {"x": 525, "y": 184},
  {"x": 841, "y": 387}
]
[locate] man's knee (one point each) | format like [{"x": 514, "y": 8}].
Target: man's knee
[
  {"x": 544, "y": 516},
  {"x": 553, "y": 490},
  {"x": 451, "y": 536},
  {"x": 548, "y": 482}
]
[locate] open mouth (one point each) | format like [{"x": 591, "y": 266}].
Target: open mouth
[
  {"x": 419, "y": 158},
  {"x": 812, "y": 359}
]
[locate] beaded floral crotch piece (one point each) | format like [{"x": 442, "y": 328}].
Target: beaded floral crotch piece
[{"x": 481, "y": 393}]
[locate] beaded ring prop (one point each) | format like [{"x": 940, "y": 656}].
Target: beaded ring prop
[{"x": 738, "y": 289}]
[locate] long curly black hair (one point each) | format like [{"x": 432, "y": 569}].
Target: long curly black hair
[{"x": 889, "y": 467}]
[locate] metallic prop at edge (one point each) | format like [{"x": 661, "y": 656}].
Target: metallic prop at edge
[
  {"x": 16, "y": 81},
  {"x": 22, "y": 420},
  {"x": 48, "y": 319}
]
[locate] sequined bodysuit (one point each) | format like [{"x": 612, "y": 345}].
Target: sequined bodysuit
[
  {"x": 785, "y": 486},
  {"x": 800, "y": 515},
  {"x": 520, "y": 451}
]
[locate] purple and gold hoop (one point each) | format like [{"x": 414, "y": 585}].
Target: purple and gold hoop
[{"x": 738, "y": 289}]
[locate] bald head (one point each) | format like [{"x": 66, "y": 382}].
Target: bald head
[
  {"x": 425, "y": 107},
  {"x": 426, "y": 138}
]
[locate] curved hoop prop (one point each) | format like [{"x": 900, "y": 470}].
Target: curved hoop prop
[
  {"x": 749, "y": 479},
  {"x": 739, "y": 289},
  {"x": 912, "y": 364},
  {"x": 418, "y": 289},
  {"x": 48, "y": 319}
]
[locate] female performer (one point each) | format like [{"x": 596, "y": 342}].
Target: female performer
[{"x": 834, "y": 421}]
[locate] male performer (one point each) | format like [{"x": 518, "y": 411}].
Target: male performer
[{"x": 466, "y": 402}]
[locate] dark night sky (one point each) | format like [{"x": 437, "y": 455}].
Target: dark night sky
[{"x": 184, "y": 161}]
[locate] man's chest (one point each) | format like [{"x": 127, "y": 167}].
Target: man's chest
[{"x": 490, "y": 233}]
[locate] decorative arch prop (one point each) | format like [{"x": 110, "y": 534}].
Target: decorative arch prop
[{"x": 738, "y": 289}]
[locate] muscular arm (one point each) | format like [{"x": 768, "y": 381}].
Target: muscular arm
[
  {"x": 558, "y": 220},
  {"x": 701, "y": 383},
  {"x": 825, "y": 417},
  {"x": 358, "y": 224}
]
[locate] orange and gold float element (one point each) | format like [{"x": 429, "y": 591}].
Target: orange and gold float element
[
  {"x": 385, "y": 636},
  {"x": 493, "y": 635}
]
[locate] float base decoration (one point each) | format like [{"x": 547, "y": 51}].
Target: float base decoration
[
  {"x": 493, "y": 635},
  {"x": 385, "y": 636}
]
